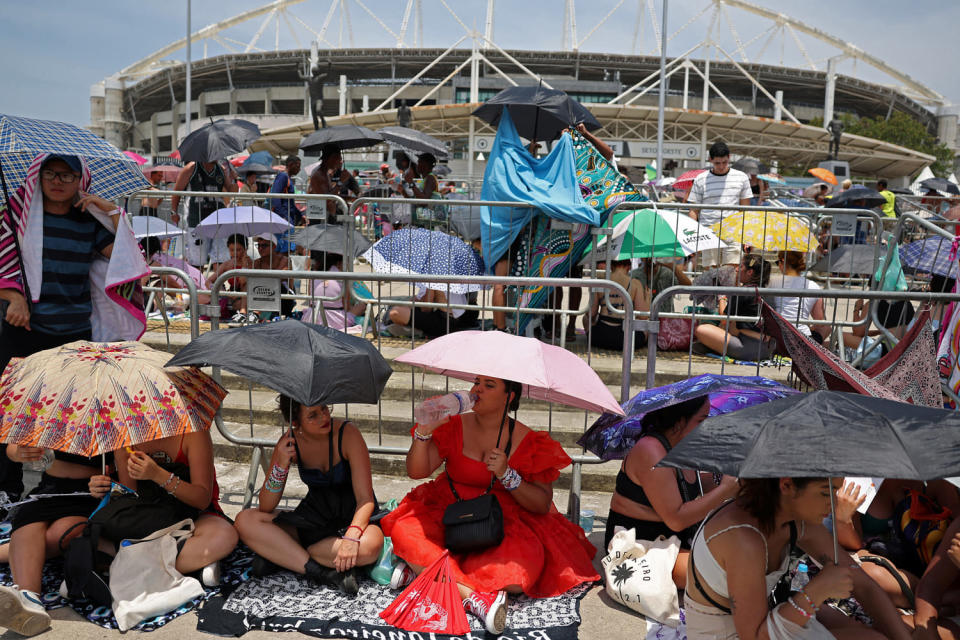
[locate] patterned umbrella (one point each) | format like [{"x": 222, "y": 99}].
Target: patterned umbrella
[
  {"x": 89, "y": 398},
  {"x": 611, "y": 437},
  {"x": 685, "y": 180},
  {"x": 931, "y": 255},
  {"x": 22, "y": 139},
  {"x": 657, "y": 234},
  {"x": 420, "y": 251},
  {"x": 768, "y": 231}
]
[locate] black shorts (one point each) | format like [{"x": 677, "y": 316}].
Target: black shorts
[
  {"x": 897, "y": 313},
  {"x": 50, "y": 509}
]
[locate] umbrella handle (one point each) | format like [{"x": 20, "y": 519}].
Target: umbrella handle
[{"x": 833, "y": 521}]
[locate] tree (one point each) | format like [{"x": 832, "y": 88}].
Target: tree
[{"x": 900, "y": 129}]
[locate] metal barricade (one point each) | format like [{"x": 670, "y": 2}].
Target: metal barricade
[{"x": 259, "y": 444}]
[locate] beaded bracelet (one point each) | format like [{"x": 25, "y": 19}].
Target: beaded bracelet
[
  {"x": 353, "y": 526},
  {"x": 815, "y": 608},
  {"x": 511, "y": 479},
  {"x": 275, "y": 481},
  {"x": 422, "y": 438},
  {"x": 169, "y": 480},
  {"x": 799, "y": 608},
  {"x": 173, "y": 491}
]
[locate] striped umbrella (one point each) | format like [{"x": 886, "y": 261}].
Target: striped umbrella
[
  {"x": 657, "y": 234},
  {"x": 112, "y": 174},
  {"x": 89, "y": 398}
]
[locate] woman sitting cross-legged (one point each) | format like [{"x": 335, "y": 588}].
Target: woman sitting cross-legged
[
  {"x": 741, "y": 551},
  {"x": 182, "y": 466},
  {"x": 657, "y": 501},
  {"x": 329, "y": 533},
  {"x": 542, "y": 553},
  {"x": 38, "y": 527}
]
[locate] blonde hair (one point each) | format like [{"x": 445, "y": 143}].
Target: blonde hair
[{"x": 846, "y": 184}]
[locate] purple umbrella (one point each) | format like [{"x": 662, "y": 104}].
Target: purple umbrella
[{"x": 611, "y": 437}]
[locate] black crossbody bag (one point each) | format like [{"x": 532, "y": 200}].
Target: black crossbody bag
[{"x": 475, "y": 524}]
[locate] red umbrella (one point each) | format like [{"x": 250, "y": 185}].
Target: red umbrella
[
  {"x": 176, "y": 154},
  {"x": 239, "y": 160},
  {"x": 431, "y": 604},
  {"x": 685, "y": 180},
  {"x": 135, "y": 157}
]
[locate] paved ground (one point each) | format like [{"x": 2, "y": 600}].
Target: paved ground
[{"x": 601, "y": 618}]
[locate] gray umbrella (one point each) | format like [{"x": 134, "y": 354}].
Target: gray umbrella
[
  {"x": 217, "y": 140},
  {"x": 751, "y": 165},
  {"x": 331, "y": 238},
  {"x": 414, "y": 140},
  {"x": 310, "y": 363},
  {"x": 465, "y": 220},
  {"x": 254, "y": 168},
  {"x": 848, "y": 258},
  {"x": 342, "y": 136}
]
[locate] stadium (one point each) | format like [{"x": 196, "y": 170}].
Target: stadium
[{"x": 725, "y": 85}]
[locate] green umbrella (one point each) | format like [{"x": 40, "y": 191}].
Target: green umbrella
[{"x": 656, "y": 234}]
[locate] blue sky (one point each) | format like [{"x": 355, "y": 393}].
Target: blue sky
[{"x": 52, "y": 51}]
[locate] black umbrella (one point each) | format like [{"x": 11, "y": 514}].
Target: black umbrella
[
  {"x": 310, "y": 363},
  {"x": 377, "y": 191},
  {"x": 414, "y": 140},
  {"x": 942, "y": 185},
  {"x": 331, "y": 238},
  {"x": 848, "y": 258},
  {"x": 751, "y": 166},
  {"x": 342, "y": 136},
  {"x": 217, "y": 140},
  {"x": 846, "y": 199},
  {"x": 826, "y": 434},
  {"x": 254, "y": 167},
  {"x": 538, "y": 113}
]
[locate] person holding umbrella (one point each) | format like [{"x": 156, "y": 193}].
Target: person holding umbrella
[
  {"x": 329, "y": 535},
  {"x": 330, "y": 178}
]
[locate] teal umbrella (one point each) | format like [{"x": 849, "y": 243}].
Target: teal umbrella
[{"x": 657, "y": 234}]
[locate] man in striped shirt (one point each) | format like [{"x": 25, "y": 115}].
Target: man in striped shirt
[{"x": 720, "y": 185}]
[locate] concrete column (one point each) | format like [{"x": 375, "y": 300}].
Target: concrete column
[
  {"x": 828, "y": 98},
  {"x": 366, "y": 103},
  {"x": 233, "y": 101},
  {"x": 778, "y": 105},
  {"x": 343, "y": 95},
  {"x": 154, "y": 136},
  {"x": 115, "y": 127},
  {"x": 96, "y": 108},
  {"x": 202, "y": 107},
  {"x": 306, "y": 100},
  {"x": 267, "y": 98}
]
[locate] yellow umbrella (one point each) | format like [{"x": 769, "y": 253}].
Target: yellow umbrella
[{"x": 768, "y": 231}]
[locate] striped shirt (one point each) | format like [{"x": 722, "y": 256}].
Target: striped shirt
[
  {"x": 709, "y": 188},
  {"x": 69, "y": 243}
]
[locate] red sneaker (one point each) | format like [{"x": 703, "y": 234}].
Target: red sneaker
[{"x": 491, "y": 608}]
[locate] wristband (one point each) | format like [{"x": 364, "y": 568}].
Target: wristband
[
  {"x": 815, "y": 608},
  {"x": 353, "y": 526},
  {"x": 422, "y": 438},
  {"x": 169, "y": 480},
  {"x": 511, "y": 479},
  {"x": 277, "y": 478},
  {"x": 799, "y": 608},
  {"x": 173, "y": 491},
  {"x": 357, "y": 540}
]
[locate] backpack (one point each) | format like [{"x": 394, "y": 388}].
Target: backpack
[
  {"x": 920, "y": 523},
  {"x": 86, "y": 569}
]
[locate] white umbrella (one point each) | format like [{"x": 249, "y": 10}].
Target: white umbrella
[
  {"x": 151, "y": 226},
  {"x": 247, "y": 221},
  {"x": 658, "y": 234}
]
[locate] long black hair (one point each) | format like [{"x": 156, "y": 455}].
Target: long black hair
[
  {"x": 663, "y": 420},
  {"x": 760, "y": 497}
]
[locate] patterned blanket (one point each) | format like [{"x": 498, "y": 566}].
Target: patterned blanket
[{"x": 286, "y": 602}]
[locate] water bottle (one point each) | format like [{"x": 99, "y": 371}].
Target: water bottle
[
  {"x": 800, "y": 578},
  {"x": 436, "y": 409},
  {"x": 42, "y": 464}
]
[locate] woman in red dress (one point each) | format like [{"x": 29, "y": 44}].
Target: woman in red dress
[{"x": 542, "y": 553}]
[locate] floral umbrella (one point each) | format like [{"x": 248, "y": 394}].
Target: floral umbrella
[
  {"x": 90, "y": 397},
  {"x": 768, "y": 231},
  {"x": 611, "y": 437}
]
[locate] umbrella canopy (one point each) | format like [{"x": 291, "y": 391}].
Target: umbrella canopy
[
  {"x": 89, "y": 398},
  {"x": 751, "y": 165},
  {"x": 310, "y": 363},
  {"x": 112, "y": 174},
  {"x": 814, "y": 189},
  {"x": 652, "y": 233},
  {"x": 136, "y": 157},
  {"x": 768, "y": 231},
  {"x": 846, "y": 199},
  {"x": 547, "y": 372},
  {"x": 464, "y": 220},
  {"x": 151, "y": 226},
  {"x": 331, "y": 238},
  {"x": 825, "y": 434},
  {"x": 258, "y": 157},
  {"x": 848, "y": 258},
  {"x": 215, "y": 141},
  {"x": 942, "y": 185},
  {"x": 537, "y": 112},
  {"x": 414, "y": 140},
  {"x": 612, "y": 437},
  {"x": 824, "y": 174},
  {"x": 931, "y": 255},
  {"x": 685, "y": 180},
  {"x": 772, "y": 178},
  {"x": 342, "y": 136},
  {"x": 247, "y": 221},
  {"x": 423, "y": 252},
  {"x": 253, "y": 167},
  {"x": 442, "y": 170},
  {"x": 169, "y": 172}
]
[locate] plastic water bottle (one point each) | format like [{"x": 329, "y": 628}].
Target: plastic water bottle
[
  {"x": 42, "y": 464},
  {"x": 800, "y": 578},
  {"x": 436, "y": 409}
]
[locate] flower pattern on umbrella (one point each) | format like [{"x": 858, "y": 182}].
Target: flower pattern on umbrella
[
  {"x": 768, "y": 230},
  {"x": 89, "y": 398},
  {"x": 611, "y": 437}
]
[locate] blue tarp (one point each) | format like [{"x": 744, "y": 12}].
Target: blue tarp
[{"x": 512, "y": 174}]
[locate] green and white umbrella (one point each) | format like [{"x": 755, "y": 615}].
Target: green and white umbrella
[{"x": 656, "y": 234}]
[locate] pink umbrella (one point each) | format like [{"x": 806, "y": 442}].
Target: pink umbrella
[
  {"x": 135, "y": 157},
  {"x": 169, "y": 171},
  {"x": 547, "y": 372},
  {"x": 685, "y": 179}
]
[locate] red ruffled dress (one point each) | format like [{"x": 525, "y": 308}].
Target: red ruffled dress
[{"x": 545, "y": 554}]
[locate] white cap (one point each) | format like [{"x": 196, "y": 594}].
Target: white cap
[{"x": 267, "y": 236}]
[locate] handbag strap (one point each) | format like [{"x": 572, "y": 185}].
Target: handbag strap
[
  {"x": 493, "y": 478},
  {"x": 693, "y": 568}
]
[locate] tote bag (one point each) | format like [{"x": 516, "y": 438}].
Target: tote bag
[{"x": 639, "y": 575}]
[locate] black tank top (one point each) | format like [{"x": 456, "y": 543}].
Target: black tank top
[{"x": 202, "y": 181}]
